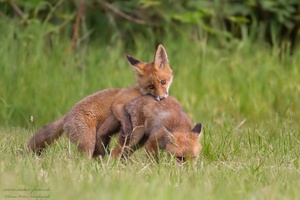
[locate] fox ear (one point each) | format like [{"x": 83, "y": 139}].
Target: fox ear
[
  {"x": 197, "y": 129},
  {"x": 136, "y": 64},
  {"x": 161, "y": 57},
  {"x": 132, "y": 60},
  {"x": 167, "y": 137}
]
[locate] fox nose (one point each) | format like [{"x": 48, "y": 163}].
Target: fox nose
[
  {"x": 162, "y": 98},
  {"x": 159, "y": 98}
]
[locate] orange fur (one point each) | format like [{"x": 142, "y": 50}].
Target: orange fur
[
  {"x": 92, "y": 121},
  {"x": 160, "y": 125}
]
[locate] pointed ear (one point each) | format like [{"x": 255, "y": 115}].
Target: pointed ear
[
  {"x": 167, "y": 131},
  {"x": 136, "y": 64},
  {"x": 197, "y": 129},
  {"x": 161, "y": 57},
  {"x": 166, "y": 138},
  {"x": 132, "y": 60}
]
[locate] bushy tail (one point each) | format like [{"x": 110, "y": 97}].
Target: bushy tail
[{"x": 46, "y": 135}]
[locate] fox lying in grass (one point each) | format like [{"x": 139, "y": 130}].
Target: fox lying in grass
[
  {"x": 160, "y": 125},
  {"x": 92, "y": 121}
]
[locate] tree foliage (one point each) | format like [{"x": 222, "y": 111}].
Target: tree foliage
[{"x": 274, "y": 21}]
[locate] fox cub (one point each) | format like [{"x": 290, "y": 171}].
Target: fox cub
[
  {"x": 160, "y": 125},
  {"x": 93, "y": 120}
]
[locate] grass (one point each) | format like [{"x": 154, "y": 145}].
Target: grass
[
  {"x": 245, "y": 165},
  {"x": 244, "y": 94}
]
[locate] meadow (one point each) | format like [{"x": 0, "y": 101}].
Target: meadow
[{"x": 246, "y": 95}]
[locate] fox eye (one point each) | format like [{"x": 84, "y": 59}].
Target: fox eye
[
  {"x": 151, "y": 87},
  {"x": 163, "y": 82}
]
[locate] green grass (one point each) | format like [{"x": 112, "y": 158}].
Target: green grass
[{"x": 246, "y": 97}]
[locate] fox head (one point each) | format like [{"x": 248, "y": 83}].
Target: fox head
[
  {"x": 155, "y": 77},
  {"x": 184, "y": 146}
]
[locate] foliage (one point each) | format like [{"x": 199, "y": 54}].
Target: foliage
[{"x": 275, "y": 21}]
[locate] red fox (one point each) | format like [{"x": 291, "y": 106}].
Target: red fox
[
  {"x": 160, "y": 125},
  {"x": 92, "y": 121}
]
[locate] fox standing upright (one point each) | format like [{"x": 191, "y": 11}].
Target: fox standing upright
[
  {"x": 159, "y": 125},
  {"x": 92, "y": 121}
]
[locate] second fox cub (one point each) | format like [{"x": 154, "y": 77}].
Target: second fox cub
[
  {"x": 161, "y": 125},
  {"x": 92, "y": 121}
]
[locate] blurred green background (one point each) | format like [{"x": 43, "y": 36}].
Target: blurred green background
[{"x": 231, "y": 59}]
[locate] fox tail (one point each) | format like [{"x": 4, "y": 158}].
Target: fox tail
[{"x": 46, "y": 135}]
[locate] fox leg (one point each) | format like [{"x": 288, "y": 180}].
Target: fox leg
[
  {"x": 152, "y": 149},
  {"x": 108, "y": 128},
  {"x": 159, "y": 138},
  {"x": 120, "y": 146},
  {"x": 124, "y": 136},
  {"x": 137, "y": 140},
  {"x": 137, "y": 134},
  {"x": 86, "y": 143},
  {"x": 124, "y": 118},
  {"x": 129, "y": 122},
  {"x": 82, "y": 133}
]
